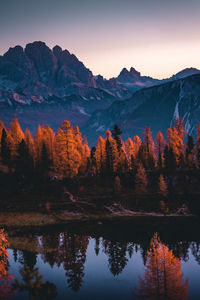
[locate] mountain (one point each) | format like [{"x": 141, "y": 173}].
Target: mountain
[
  {"x": 34, "y": 74},
  {"x": 133, "y": 81},
  {"x": 47, "y": 84},
  {"x": 43, "y": 85},
  {"x": 155, "y": 106},
  {"x": 184, "y": 73}
]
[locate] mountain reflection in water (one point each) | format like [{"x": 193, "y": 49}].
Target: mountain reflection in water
[{"x": 95, "y": 262}]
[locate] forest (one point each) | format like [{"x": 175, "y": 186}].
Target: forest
[{"x": 141, "y": 172}]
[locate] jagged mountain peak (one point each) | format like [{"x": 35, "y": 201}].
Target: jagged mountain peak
[{"x": 57, "y": 49}]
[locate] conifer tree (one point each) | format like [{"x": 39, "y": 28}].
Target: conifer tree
[
  {"x": 136, "y": 143},
  {"x": 38, "y": 141},
  {"x": 5, "y": 149},
  {"x": 149, "y": 155},
  {"x": 16, "y": 131},
  {"x": 100, "y": 155},
  {"x": 169, "y": 159},
  {"x": 109, "y": 157},
  {"x": 129, "y": 146},
  {"x": 141, "y": 181},
  {"x": 24, "y": 161},
  {"x": 190, "y": 145},
  {"x": 30, "y": 143},
  {"x": 159, "y": 148},
  {"x": 179, "y": 125},
  {"x": 16, "y": 135},
  {"x": 116, "y": 133},
  {"x": 93, "y": 163},
  {"x": 162, "y": 187},
  {"x": 117, "y": 185}
]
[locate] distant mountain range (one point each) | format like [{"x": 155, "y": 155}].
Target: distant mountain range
[
  {"x": 43, "y": 85},
  {"x": 155, "y": 106}
]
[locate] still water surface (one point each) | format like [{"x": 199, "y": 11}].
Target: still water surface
[{"x": 108, "y": 260}]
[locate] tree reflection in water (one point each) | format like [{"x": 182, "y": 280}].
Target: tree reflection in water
[
  {"x": 33, "y": 284},
  {"x": 67, "y": 250},
  {"x": 163, "y": 278},
  {"x": 5, "y": 278}
]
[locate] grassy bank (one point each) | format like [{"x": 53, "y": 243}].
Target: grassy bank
[{"x": 34, "y": 219}]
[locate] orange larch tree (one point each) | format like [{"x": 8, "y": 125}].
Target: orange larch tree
[{"x": 163, "y": 278}]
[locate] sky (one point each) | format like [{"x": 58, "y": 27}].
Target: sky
[{"x": 156, "y": 37}]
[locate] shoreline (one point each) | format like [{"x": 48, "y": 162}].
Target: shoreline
[{"x": 39, "y": 219}]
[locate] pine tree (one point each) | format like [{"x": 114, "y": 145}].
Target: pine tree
[
  {"x": 169, "y": 159},
  {"x": 142, "y": 155},
  {"x": 93, "y": 163},
  {"x": 116, "y": 132},
  {"x": 159, "y": 148},
  {"x": 5, "y": 149},
  {"x": 109, "y": 157},
  {"x": 24, "y": 160}
]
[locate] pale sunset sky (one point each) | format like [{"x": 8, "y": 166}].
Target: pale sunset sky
[{"x": 156, "y": 37}]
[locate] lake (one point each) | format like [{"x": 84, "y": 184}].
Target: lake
[{"x": 153, "y": 258}]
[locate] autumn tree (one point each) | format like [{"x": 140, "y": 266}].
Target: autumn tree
[
  {"x": 163, "y": 278},
  {"x": 100, "y": 154},
  {"x": 17, "y": 135},
  {"x": 129, "y": 147},
  {"x": 149, "y": 148},
  {"x": 2, "y": 126},
  {"x": 175, "y": 137},
  {"x": 136, "y": 144},
  {"x": 141, "y": 181},
  {"x": 162, "y": 187},
  {"x": 179, "y": 125},
  {"x": 6, "y": 279},
  {"x": 30, "y": 143},
  {"x": 68, "y": 158},
  {"x": 38, "y": 142}
]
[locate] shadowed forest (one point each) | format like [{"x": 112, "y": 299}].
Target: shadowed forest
[{"x": 159, "y": 175}]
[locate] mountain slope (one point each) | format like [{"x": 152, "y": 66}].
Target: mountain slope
[
  {"x": 133, "y": 80},
  {"x": 155, "y": 106}
]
